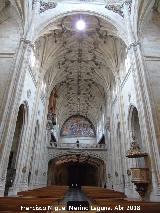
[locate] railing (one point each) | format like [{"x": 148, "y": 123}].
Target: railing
[{"x": 77, "y": 146}]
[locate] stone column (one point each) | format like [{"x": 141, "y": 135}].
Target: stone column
[
  {"x": 34, "y": 172},
  {"x": 123, "y": 130},
  {"x": 112, "y": 144}
]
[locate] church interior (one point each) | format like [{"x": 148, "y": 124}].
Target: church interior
[{"x": 80, "y": 103}]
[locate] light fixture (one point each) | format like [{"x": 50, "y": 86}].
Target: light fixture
[{"x": 80, "y": 25}]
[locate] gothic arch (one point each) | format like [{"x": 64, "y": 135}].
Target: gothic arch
[
  {"x": 24, "y": 112},
  {"x": 71, "y": 165},
  {"x": 18, "y": 138}
]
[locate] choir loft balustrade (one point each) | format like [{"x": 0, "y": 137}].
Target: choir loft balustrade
[
  {"x": 77, "y": 146},
  {"x": 59, "y": 149}
]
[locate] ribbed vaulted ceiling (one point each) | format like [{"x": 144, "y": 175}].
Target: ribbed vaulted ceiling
[{"x": 80, "y": 64}]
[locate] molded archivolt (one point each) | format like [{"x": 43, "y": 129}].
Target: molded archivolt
[
  {"x": 78, "y": 126},
  {"x": 76, "y": 169}
]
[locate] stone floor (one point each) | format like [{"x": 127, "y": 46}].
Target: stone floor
[
  {"x": 71, "y": 195},
  {"x": 74, "y": 195}
]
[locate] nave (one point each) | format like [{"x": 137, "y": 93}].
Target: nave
[
  {"x": 55, "y": 198},
  {"x": 80, "y": 102}
]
